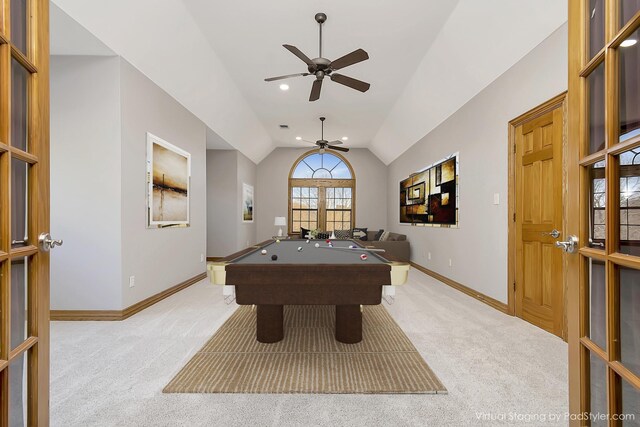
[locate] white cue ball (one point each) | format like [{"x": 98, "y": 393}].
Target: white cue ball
[
  {"x": 299, "y": 248},
  {"x": 307, "y": 240},
  {"x": 263, "y": 252},
  {"x": 317, "y": 245}
]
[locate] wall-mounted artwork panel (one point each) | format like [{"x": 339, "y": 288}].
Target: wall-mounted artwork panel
[
  {"x": 430, "y": 197},
  {"x": 168, "y": 178}
]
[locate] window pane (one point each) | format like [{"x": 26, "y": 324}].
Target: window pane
[
  {"x": 630, "y": 319},
  {"x": 596, "y": 26},
  {"x": 630, "y": 404},
  {"x": 597, "y": 303},
  {"x": 629, "y": 108},
  {"x": 341, "y": 171},
  {"x": 19, "y": 190},
  {"x": 19, "y": 281},
  {"x": 295, "y": 191},
  {"x": 598, "y": 389},
  {"x": 19, "y": 105},
  {"x": 628, "y": 8},
  {"x": 630, "y": 202},
  {"x": 19, "y": 24},
  {"x": 18, "y": 391},
  {"x": 598, "y": 202},
  {"x": 595, "y": 83},
  {"x": 322, "y": 174}
]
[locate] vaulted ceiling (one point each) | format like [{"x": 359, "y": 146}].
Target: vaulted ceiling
[{"x": 427, "y": 58}]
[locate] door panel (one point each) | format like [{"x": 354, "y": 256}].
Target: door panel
[{"x": 539, "y": 210}]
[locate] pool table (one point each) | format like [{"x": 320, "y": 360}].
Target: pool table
[{"x": 306, "y": 274}]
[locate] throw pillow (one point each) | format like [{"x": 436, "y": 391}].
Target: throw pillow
[
  {"x": 360, "y": 233},
  {"x": 343, "y": 234},
  {"x": 303, "y": 233},
  {"x": 384, "y": 236},
  {"x": 378, "y": 234}
]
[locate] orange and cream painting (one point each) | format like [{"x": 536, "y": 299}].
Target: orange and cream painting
[{"x": 168, "y": 176}]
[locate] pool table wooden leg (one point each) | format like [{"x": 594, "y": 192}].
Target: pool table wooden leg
[
  {"x": 348, "y": 324},
  {"x": 269, "y": 326}
]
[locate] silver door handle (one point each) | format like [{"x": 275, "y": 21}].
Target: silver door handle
[
  {"x": 553, "y": 233},
  {"x": 47, "y": 243},
  {"x": 569, "y": 246}
]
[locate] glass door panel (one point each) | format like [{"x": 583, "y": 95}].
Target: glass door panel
[
  {"x": 19, "y": 105},
  {"x": 596, "y": 26},
  {"x": 628, "y": 8},
  {"x": 20, "y": 24},
  {"x": 597, "y": 214},
  {"x": 629, "y": 98},
  {"x": 18, "y": 391},
  {"x": 598, "y": 388},
  {"x": 629, "y": 318},
  {"x": 597, "y": 304},
  {"x": 19, "y": 301},
  {"x": 595, "y": 83},
  {"x": 19, "y": 192}
]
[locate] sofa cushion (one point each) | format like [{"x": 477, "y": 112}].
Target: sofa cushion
[
  {"x": 395, "y": 237},
  {"x": 343, "y": 234},
  {"x": 384, "y": 236},
  {"x": 303, "y": 233},
  {"x": 360, "y": 233},
  {"x": 378, "y": 234}
]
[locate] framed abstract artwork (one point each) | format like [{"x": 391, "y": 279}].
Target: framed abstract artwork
[
  {"x": 247, "y": 202},
  {"x": 168, "y": 181},
  {"x": 430, "y": 197}
]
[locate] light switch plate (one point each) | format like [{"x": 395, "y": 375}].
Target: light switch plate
[{"x": 496, "y": 198}]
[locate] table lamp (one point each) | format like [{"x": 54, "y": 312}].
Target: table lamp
[{"x": 280, "y": 222}]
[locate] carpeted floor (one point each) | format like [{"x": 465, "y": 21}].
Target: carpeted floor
[{"x": 308, "y": 359}]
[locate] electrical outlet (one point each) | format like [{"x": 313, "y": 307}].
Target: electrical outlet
[
  {"x": 429, "y": 256},
  {"x": 132, "y": 281},
  {"x": 450, "y": 263},
  {"x": 201, "y": 257}
]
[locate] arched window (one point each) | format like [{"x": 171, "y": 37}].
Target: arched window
[{"x": 321, "y": 193}]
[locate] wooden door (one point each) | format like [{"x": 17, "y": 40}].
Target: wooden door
[
  {"x": 24, "y": 212},
  {"x": 603, "y": 171},
  {"x": 539, "y": 291}
]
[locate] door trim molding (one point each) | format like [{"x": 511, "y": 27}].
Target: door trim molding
[
  {"x": 498, "y": 305},
  {"x": 127, "y": 312},
  {"x": 544, "y": 108}
]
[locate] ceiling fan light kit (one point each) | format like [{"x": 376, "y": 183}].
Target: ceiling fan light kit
[{"x": 321, "y": 67}]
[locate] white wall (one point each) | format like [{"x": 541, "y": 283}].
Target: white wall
[
  {"x": 272, "y": 188},
  {"x": 85, "y": 183},
  {"x": 158, "y": 258},
  {"x": 246, "y": 173},
  {"x": 478, "y": 131}
]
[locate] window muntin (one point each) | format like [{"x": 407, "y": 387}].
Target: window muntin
[{"x": 322, "y": 166}]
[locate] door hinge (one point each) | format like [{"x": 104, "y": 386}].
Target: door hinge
[
  {"x": 514, "y": 148},
  {"x": 514, "y": 217},
  {"x": 514, "y": 286}
]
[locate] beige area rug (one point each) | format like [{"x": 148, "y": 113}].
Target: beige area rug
[{"x": 309, "y": 359}]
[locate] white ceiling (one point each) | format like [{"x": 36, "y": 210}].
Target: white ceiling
[
  {"x": 68, "y": 37},
  {"x": 248, "y": 38},
  {"x": 427, "y": 58}
]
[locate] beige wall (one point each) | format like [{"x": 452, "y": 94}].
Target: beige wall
[
  {"x": 272, "y": 188},
  {"x": 478, "y": 131}
]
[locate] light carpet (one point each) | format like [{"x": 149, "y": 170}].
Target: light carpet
[{"x": 308, "y": 359}]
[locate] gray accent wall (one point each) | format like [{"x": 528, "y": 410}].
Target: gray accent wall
[
  {"x": 478, "y": 131},
  {"x": 227, "y": 170},
  {"x": 158, "y": 258},
  {"x": 85, "y": 183},
  {"x": 101, "y": 109},
  {"x": 273, "y": 186}
]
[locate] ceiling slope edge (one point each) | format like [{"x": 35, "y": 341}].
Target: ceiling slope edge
[{"x": 164, "y": 43}]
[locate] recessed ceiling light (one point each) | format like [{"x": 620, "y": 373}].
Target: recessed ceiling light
[
  {"x": 344, "y": 138},
  {"x": 298, "y": 138},
  {"x": 628, "y": 42},
  {"x": 284, "y": 86}
]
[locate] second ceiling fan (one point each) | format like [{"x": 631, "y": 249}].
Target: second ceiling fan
[
  {"x": 321, "y": 67},
  {"x": 323, "y": 143}
]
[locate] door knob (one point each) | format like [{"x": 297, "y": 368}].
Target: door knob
[
  {"x": 47, "y": 243},
  {"x": 569, "y": 246},
  {"x": 553, "y": 233}
]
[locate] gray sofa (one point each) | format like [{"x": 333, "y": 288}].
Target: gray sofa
[{"x": 397, "y": 246}]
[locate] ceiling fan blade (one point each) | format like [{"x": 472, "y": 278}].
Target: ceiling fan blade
[
  {"x": 351, "y": 82},
  {"x": 270, "y": 79},
  {"x": 336, "y": 142},
  {"x": 349, "y": 59},
  {"x": 297, "y": 52},
  {"x": 338, "y": 148},
  {"x": 315, "y": 90}
]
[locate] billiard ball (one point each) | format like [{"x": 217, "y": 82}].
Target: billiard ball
[
  {"x": 263, "y": 252},
  {"x": 362, "y": 257},
  {"x": 328, "y": 241},
  {"x": 352, "y": 246},
  {"x": 277, "y": 240},
  {"x": 307, "y": 240},
  {"x": 317, "y": 245},
  {"x": 299, "y": 248},
  {"x": 274, "y": 257}
]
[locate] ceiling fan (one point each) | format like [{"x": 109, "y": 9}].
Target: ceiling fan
[
  {"x": 324, "y": 144},
  {"x": 321, "y": 67}
]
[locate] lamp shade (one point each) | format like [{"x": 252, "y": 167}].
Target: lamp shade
[{"x": 280, "y": 221}]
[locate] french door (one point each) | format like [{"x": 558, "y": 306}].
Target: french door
[
  {"x": 24, "y": 212},
  {"x": 604, "y": 181}
]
